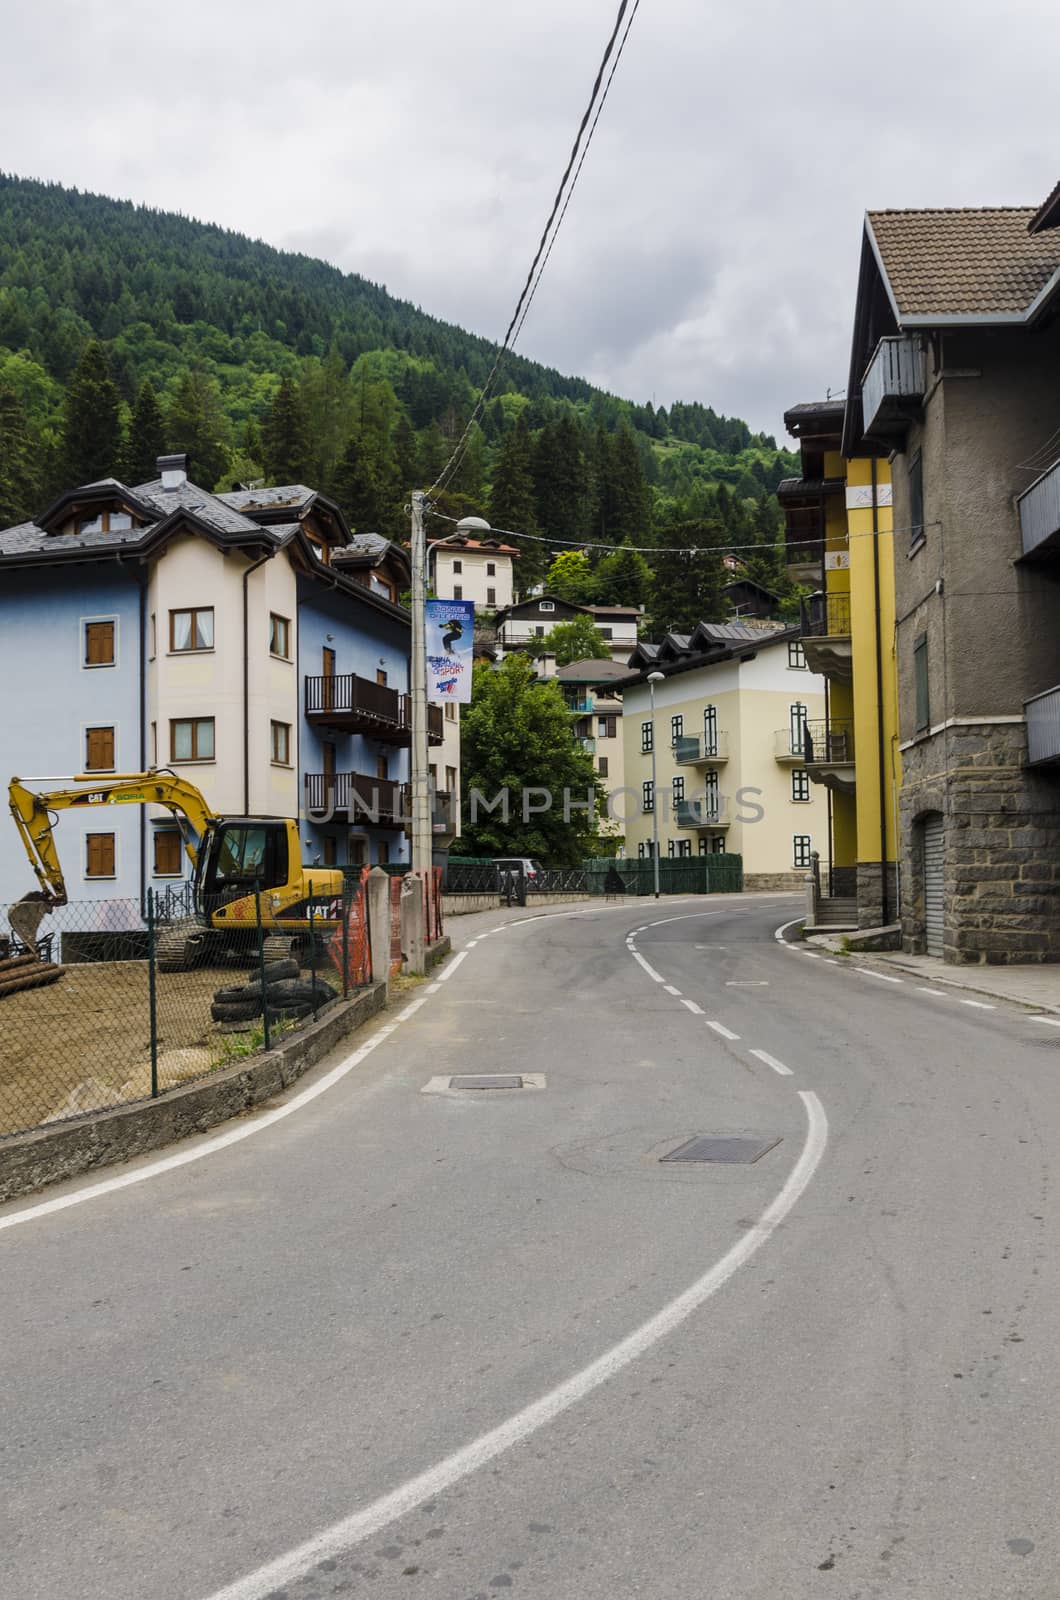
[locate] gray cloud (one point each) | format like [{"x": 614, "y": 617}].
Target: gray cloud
[{"x": 710, "y": 250}]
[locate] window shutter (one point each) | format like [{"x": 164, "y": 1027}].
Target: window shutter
[
  {"x": 99, "y": 855},
  {"x": 99, "y": 644},
  {"x": 99, "y": 752},
  {"x": 167, "y": 853}
]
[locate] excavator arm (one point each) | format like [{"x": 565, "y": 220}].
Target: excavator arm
[{"x": 34, "y": 814}]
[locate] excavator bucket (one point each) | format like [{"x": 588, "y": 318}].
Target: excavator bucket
[{"x": 25, "y": 917}]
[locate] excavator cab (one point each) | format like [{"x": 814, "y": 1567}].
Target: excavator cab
[{"x": 235, "y": 856}]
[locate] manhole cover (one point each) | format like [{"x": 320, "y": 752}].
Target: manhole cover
[
  {"x": 733, "y": 1151},
  {"x": 492, "y": 1082}
]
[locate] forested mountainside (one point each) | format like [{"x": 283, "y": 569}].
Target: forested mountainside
[{"x": 127, "y": 331}]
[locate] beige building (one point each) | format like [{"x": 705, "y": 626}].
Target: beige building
[
  {"x": 471, "y": 565},
  {"x": 597, "y": 715},
  {"x": 729, "y": 739}
]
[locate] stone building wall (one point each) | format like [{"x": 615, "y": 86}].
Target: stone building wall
[{"x": 1001, "y": 845}]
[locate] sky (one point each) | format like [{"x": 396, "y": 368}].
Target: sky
[{"x": 710, "y": 250}]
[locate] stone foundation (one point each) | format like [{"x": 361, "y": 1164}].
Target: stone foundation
[
  {"x": 775, "y": 882},
  {"x": 1001, "y": 863},
  {"x": 869, "y": 891}
]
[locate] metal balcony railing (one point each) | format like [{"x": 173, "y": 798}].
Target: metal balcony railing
[
  {"x": 704, "y": 812},
  {"x": 1043, "y": 727},
  {"x": 893, "y": 384},
  {"x": 826, "y": 616},
  {"x": 354, "y": 704},
  {"x": 355, "y": 795},
  {"x": 1039, "y": 508},
  {"x": 827, "y": 743},
  {"x": 692, "y": 749}
]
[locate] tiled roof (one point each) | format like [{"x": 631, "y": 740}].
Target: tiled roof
[
  {"x": 749, "y": 632},
  {"x": 964, "y": 263},
  {"x": 591, "y": 670},
  {"x": 367, "y": 546},
  {"x": 1047, "y": 214},
  {"x": 211, "y": 508},
  {"x": 283, "y": 494}
]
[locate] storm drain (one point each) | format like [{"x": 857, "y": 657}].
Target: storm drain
[
  {"x": 731, "y": 1151},
  {"x": 476, "y": 1083},
  {"x": 494, "y": 1081}
]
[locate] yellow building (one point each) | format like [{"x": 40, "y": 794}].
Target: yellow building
[
  {"x": 840, "y": 541},
  {"x": 728, "y": 737}
]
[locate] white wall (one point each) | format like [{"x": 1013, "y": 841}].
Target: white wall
[{"x": 473, "y": 580}]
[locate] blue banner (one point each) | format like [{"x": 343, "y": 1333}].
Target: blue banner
[{"x": 450, "y": 650}]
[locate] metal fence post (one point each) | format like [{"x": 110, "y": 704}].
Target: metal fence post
[
  {"x": 312, "y": 949},
  {"x": 152, "y": 996},
  {"x": 261, "y": 965},
  {"x": 347, "y": 907}
]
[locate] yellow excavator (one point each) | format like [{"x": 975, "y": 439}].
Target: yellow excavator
[{"x": 231, "y": 856}]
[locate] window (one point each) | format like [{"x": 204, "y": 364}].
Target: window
[
  {"x": 601, "y": 766},
  {"x": 546, "y": 605},
  {"x": 916, "y": 501},
  {"x": 920, "y": 679},
  {"x": 640, "y": 850},
  {"x": 491, "y": 569},
  {"x": 380, "y": 677},
  {"x": 105, "y": 522},
  {"x": 647, "y": 737},
  {"x": 99, "y": 749},
  {"x": 167, "y": 853},
  {"x": 710, "y": 730},
  {"x": 704, "y": 845},
  {"x": 450, "y": 780},
  {"x": 800, "y": 784},
  {"x": 379, "y": 585},
  {"x": 154, "y": 744},
  {"x": 797, "y": 727},
  {"x": 458, "y": 591},
  {"x": 281, "y": 743},
  {"x": 796, "y": 656},
  {"x": 99, "y": 644},
  {"x": 711, "y": 795},
  {"x": 678, "y": 789},
  {"x": 191, "y": 630},
  {"x": 647, "y": 796},
  {"x": 801, "y": 844},
  {"x": 191, "y": 739},
  {"x": 331, "y": 850},
  {"x": 606, "y": 633},
  {"x": 99, "y": 855},
  {"x": 450, "y": 711},
  {"x": 279, "y": 636},
  {"x": 607, "y": 727},
  {"x": 458, "y": 566},
  {"x": 669, "y": 847},
  {"x": 677, "y": 729},
  {"x": 154, "y": 637},
  {"x": 491, "y": 597},
  {"x": 684, "y": 847}
]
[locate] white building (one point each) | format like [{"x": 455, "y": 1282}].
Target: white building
[
  {"x": 520, "y": 625},
  {"x": 472, "y": 565}
]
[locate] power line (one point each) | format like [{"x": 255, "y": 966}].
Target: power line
[{"x": 537, "y": 266}]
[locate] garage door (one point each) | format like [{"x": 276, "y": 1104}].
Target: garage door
[{"x": 933, "y": 837}]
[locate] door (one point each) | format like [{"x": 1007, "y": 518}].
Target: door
[
  {"x": 710, "y": 731},
  {"x": 797, "y": 727},
  {"x": 933, "y": 904},
  {"x": 327, "y": 750},
  {"x": 327, "y": 668}
]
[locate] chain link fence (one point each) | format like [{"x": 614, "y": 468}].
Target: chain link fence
[{"x": 108, "y": 1002}]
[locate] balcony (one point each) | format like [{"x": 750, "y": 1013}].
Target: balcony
[
  {"x": 587, "y": 744},
  {"x": 1039, "y": 508},
  {"x": 696, "y": 751},
  {"x": 788, "y": 747},
  {"x": 826, "y": 636},
  {"x": 1043, "y": 728},
  {"x": 828, "y": 754},
  {"x": 707, "y": 812},
  {"x": 578, "y": 700},
  {"x": 804, "y": 502},
  {"x": 356, "y": 797},
  {"x": 345, "y": 703},
  {"x": 893, "y": 386}
]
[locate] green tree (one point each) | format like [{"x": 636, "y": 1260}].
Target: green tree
[
  {"x": 629, "y": 499},
  {"x": 570, "y": 577},
  {"x": 623, "y": 578},
  {"x": 146, "y": 439},
  {"x": 687, "y": 582},
  {"x": 511, "y": 503},
  {"x": 91, "y": 435},
  {"x": 18, "y": 475},
  {"x": 577, "y": 640},
  {"x": 561, "y": 484},
  {"x": 196, "y": 424},
  {"x": 327, "y": 410},
  {"x": 359, "y": 492},
  {"x": 285, "y": 436},
  {"x": 516, "y": 737}
]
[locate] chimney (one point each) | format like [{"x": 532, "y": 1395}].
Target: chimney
[{"x": 173, "y": 470}]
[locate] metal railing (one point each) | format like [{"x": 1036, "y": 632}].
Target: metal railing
[
  {"x": 701, "y": 813},
  {"x": 893, "y": 378},
  {"x": 692, "y": 748},
  {"x": 1039, "y": 509},
  {"x": 374, "y": 708},
  {"x": 826, "y": 616},
  {"x": 827, "y": 743},
  {"x": 356, "y": 795},
  {"x": 1043, "y": 727}
]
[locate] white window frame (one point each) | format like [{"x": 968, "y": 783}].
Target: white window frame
[
  {"x": 86, "y": 729},
  {"x": 796, "y": 651},
  {"x": 546, "y": 605}
]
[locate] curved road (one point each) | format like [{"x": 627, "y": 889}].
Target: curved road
[{"x": 399, "y": 1343}]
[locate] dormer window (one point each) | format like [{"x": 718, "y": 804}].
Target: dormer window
[
  {"x": 104, "y": 522},
  {"x": 546, "y": 605}
]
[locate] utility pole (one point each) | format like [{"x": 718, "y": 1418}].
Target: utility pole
[
  {"x": 653, "y": 679},
  {"x": 420, "y": 776}
]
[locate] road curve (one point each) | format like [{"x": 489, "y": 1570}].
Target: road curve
[{"x": 461, "y": 1345}]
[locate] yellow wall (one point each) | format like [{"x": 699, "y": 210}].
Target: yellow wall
[{"x": 872, "y": 571}]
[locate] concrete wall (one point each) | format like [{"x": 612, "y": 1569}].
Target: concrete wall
[{"x": 473, "y": 580}]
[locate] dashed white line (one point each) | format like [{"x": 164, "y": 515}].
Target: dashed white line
[
  {"x": 369, "y": 1520},
  {"x": 656, "y": 977},
  {"x": 771, "y": 1061},
  {"x": 811, "y": 955},
  {"x": 443, "y": 977},
  {"x": 411, "y": 1008},
  {"x": 939, "y": 993},
  {"x": 1050, "y": 1022},
  {"x": 719, "y": 1027},
  {"x": 831, "y": 961},
  {"x": 691, "y": 1004},
  {"x": 980, "y": 1005},
  {"x": 671, "y": 990},
  {"x": 884, "y": 977}
]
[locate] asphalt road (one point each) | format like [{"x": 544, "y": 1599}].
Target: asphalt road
[{"x": 464, "y": 1345}]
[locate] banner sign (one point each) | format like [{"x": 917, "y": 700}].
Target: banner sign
[{"x": 450, "y": 650}]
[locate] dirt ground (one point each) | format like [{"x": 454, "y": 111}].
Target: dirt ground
[{"x": 84, "y": 1042}]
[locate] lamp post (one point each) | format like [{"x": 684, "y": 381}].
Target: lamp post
[{"x": 653, "y": 679}]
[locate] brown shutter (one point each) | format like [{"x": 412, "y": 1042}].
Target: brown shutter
[
  {"x": 99, "y": 855},
  {"x": 167, "y": 853},
  {"x": 99, "y": 644},
  {"x": 99, "y": 750}
]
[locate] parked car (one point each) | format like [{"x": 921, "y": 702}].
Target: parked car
[{"x": 515, "y": 874}]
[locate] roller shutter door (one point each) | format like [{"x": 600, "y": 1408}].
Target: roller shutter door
[{"x": 933, "y": 906}]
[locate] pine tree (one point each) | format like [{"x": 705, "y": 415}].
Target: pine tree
[
  {"x": 623, "y": 579},
  {"x": 91, "y": 433},
  {"x": 686, "y": 586},
  {"x": 561, "y": 484},
  {"x": 284, "y": 436},
  {"x": 630, "y": 498},
  {"x": 327, "y": 409},
  {"x": 146, "y": 439},
  {"x": 19, "y": 488},
  {"x": 358, "y": 491},
  {"x": 511, "y": 506},
  {"x": 196, "y": 425}
]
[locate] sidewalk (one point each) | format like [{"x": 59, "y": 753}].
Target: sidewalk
[{"x": 1035, "y": 984}]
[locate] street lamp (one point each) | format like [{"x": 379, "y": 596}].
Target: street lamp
[{"x": 653, "y": 679}]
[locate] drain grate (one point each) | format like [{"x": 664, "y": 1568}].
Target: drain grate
[
  {"x": 492, "y": 1081},
  {"x": 732, "y": 1151}
]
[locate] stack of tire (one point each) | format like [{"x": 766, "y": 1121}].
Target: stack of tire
[{"x": 287, "y": 996}]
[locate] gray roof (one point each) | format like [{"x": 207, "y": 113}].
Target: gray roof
[
  {"x": 592, "y": 670},
  {"x": 370, "y": 545},
  {"x": 282, "y": 494},
  {"x": 211, "y": 508},
  {"x": 741, "y": 632}
]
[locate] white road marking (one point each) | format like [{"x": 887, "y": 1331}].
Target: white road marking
[
  {"x": 691, "y": 1004},
  {"x": 747, "y": 983},
  {"x": 941, "y": 993},
  {"x": 771, "y": 1061},
  {"x": 726, "y": 1033},
  {"x": 1050, "y": 1022},
  {"x": 432, "y": 988},
  {"x": 411, "y": 1008},
  {"x": 451, "y": 966},
  {"x": 369, "y": 1520},
  {"x": 778, "y": 933},
  {"x": 656, "y": 977},
  {"x": 980, "y": 1005},
  {"x": 671, "y": 990},
  {"x": 471, "y": 943},
  {"x": 811, "y": 955},
  {"x": 831, "y": 961},
  {"x": 884, "y": 977}
]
